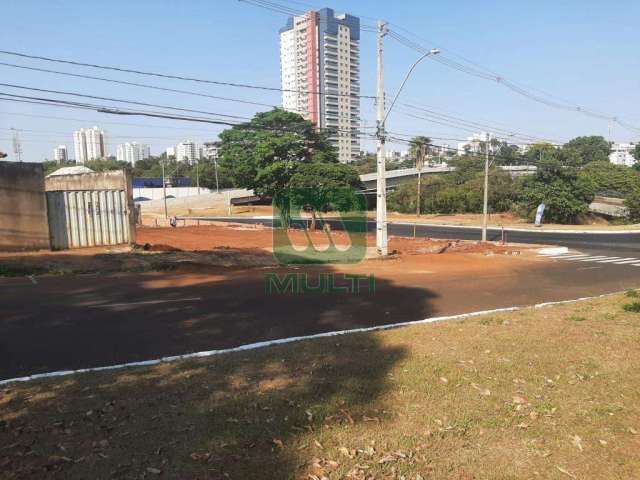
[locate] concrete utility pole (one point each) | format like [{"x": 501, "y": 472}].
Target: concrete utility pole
[
  {"x": 381, "y": 198},
  {"x": 486, "y": 190},
  {"x": 420, "y": 155},
  {"x": 164, "y": 190},
  {"x": 215, "y": 164}
]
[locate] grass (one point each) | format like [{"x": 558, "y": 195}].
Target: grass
[{"x": 523, "y": 394}]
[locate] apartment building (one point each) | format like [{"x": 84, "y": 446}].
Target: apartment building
[{"x": 320, "y": 73}]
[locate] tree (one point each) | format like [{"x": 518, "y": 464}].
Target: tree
[
  {"x": 632, "y": 202},
  {"x": 636, "y": 152},
  {"x": 538, "y": 152},
  {"x": 566, "y": 195},
  {"x": 277, "y": 150},
  {"x": 416, "y": 144},
  {"x": 611, "y": 180},
  {"x": 265, "y": 152},
  {"x": 590, "y": 149}
]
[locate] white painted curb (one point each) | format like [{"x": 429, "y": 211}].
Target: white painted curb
[
  {"x": 281, "y": 341},
  {"x": 553, "y": 251}
]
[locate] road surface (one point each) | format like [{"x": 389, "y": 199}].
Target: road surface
[
  {"x": 55, "y": 323},
  {"x": 596, "y": 243}
]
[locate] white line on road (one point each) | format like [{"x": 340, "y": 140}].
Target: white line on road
[
  {"x": 631, "y": 260},
  {"x": 148, "y": 302},
  {"x": 616, "y": 260},
  {"x": 594, "y": 258},
  {"x": 564, "y": 257}
]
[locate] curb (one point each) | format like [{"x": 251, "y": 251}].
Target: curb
[
  {"x": 282, "y": 341},
  {"x": 553, "y": 251}
]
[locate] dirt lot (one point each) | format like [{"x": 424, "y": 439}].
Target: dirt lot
[
  {"x": 496, "y": 396},
  {"x": 217, "y": 245}
]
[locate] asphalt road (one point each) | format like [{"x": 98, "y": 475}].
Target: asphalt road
[
  {"x": 57, "y": 323},
  {"x": 595, "y": 243},
  {"x": 70, "y": 322}
]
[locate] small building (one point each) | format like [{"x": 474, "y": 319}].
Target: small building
[{"x": 622, "y": 154}]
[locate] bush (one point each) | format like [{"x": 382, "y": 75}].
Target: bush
[{"x": 632, "y": 307}]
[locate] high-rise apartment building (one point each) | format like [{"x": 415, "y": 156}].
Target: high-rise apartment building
[
  {"x": 89, "y": 144},
  {"x": 60, "y": 154},
  {"x": 211, "y": 150},
  {"x": 320, "y": 73},
  {"x": 187, "y": 152},
  {"x": 132, "y": 152}
]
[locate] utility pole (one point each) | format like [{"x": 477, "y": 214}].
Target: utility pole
[
  {"x": 198, "y": 175},
  {"x": 164, "y": 190},
  {"x": 215, "y": 164},
  {"x": 486, "y": 190},
  {"x": 420, "y": 154},
  {"x": 381, "y": 198}
]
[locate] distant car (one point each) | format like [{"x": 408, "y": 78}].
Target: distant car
[
  {"x": 169, "y": 196},
  {"x": 141, "y": 199}
]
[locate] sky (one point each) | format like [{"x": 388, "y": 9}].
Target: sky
[{"x": 581, "y": 51}]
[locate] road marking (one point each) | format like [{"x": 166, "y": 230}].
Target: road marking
[
  {"x": 617, "y": 260},
  {"x": 565, "y": 256},
  {"x": 594, "y": 258},
  {"x": 608, "y": 259},
  {"x": 630, "y": 260},
  {"x": 32, "y": 278},
  {"x": 148, "y": 302},
  {"x": 586, "y": 268}
]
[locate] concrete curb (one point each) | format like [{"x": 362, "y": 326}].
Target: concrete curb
[
  {"x": 442, "y": 225},
  {"x": 282, "y": 341},
  {"x": 516, "y": 229},
  {"x": 553, "y": 251}
]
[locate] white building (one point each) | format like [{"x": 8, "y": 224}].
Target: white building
[
  {"x": 60, "y": 154},
  {"x": 622, "y": 154},
  {"x": 132, "y": 152},
  {"x": 474, "y": 143},
  {"x": 89, "y": 144},
  {"x": 211, "y": 150},
  {"x": 320, "y": 52},
  {"x": 187, "y": 151},
  {"x": 171, "y": 152}
]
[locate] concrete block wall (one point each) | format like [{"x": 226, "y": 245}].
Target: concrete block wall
[{"x": 23, "y": 207}]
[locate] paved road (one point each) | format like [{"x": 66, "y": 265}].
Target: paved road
[
  {"x": 596, "y": 243},
  {"x": 84, "y": 321}
]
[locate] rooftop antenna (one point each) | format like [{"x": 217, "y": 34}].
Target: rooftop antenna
[{"x": 17, "y": 147}]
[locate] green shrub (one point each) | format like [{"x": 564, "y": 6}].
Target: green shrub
[{"x": 632, "y": 307}]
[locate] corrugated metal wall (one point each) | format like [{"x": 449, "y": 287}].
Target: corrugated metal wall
[{"x": 87, "y": 218}]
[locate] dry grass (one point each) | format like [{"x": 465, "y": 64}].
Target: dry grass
[{"x": 546, "y": 393}]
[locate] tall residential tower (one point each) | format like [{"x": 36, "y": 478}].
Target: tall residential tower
[
  {"x": 320, "y": 70},
  {"x": 89, "y": 144}
]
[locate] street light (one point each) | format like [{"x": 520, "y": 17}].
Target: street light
[
  {"x": 433, "y": 51},
  {"x": 381, "y": 201}
]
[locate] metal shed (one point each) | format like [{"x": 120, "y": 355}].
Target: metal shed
[{"x": 90, "y": 209}]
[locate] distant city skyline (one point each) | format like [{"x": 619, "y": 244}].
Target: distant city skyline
[{"x": 587, "y": 55}]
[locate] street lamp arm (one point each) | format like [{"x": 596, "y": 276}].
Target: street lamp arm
[{"x": 433, "y": 51}]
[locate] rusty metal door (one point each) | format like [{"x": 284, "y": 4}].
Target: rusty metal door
[{"x": 87, "y": 218}]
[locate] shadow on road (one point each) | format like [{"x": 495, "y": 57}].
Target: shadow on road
[
  {"x": 248, "y": 415},
  {"x": 76, "y": 321}
]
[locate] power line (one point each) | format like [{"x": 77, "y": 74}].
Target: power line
[
  {"x": 134, "y": 84},
  {"x": 486, "y": 74},
  {"x": 176, "y": 77},
  {"x": 111, "y": 99}
]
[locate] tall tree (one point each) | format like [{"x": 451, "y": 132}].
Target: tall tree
[
  {"x": 277, "y": 150},
  {"x": 590, "y": 149},
  {"x": 418, "y": 143}
]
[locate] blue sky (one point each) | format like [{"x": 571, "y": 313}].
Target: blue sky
[{"x": 584, "y": 51}]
